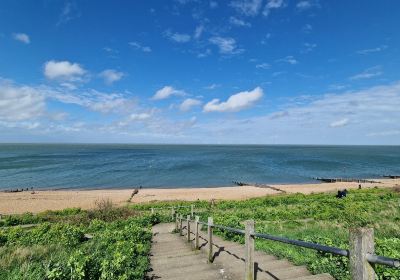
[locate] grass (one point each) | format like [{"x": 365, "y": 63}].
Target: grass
[
  {"x": 319, "y": 218},
  {"x": 57, "y": 247}
]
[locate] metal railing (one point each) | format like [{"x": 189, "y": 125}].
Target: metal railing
[{"x": 361, "y": 253}]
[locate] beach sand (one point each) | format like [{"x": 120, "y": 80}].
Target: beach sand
[{"x": 13, "y": 203}]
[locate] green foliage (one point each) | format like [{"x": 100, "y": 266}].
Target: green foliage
[
  {"x": 54, "y": 251},
  {"x": 319, "y": 218}
]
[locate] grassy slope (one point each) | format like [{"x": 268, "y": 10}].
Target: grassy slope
[
  {"x": 57, "y": 248},
  {"x": 320, "y": 218}
]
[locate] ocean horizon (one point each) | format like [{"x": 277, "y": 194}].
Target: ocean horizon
[{"x": 103, "y": 166}]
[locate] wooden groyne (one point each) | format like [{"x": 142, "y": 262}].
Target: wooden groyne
[
  {"x": 391, "y": 176},
  {"x": 349, "y": 180},
  {"x": 263, "y": 186}
]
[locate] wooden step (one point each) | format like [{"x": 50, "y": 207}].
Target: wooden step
[{"x": 173, "y": 257}]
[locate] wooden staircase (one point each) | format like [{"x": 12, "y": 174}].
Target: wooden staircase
[{"x": 173, "y": 257}]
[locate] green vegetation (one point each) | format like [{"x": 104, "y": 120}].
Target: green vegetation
[
  {"x": 319, "y": 218},
  {"x": 58, "y": 249}
]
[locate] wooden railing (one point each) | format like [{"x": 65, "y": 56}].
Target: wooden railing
[{"x": 361, "y": 253}]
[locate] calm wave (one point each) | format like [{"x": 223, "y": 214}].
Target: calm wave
[{"x": 121, "y": 166}]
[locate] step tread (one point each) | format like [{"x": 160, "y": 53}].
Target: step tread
[{"x": 173, "y": 257}]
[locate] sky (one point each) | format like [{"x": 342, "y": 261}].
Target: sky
[{"x": 200, "y": 72}]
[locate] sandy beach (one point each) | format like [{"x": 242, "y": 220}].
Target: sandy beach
[{"x": 13, "y": 203}]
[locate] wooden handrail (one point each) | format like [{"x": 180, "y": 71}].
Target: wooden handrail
[{"x": 361, "y": 254}]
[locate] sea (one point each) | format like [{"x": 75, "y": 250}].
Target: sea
[{"x": 100, "y": 166}]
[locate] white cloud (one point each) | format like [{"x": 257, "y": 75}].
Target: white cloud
[
  {"x": 140, "y": 116},
  {"x": 19, "y": 103},
  {"x": 63, "y": 70},
  {"x": 205, "y": 53},
  {"x": 212, "y": 86},
  {"x": 373, "y": 50},
  {"x": 373, "y": 114},
  {"x": 22, "y": 37},
  {"x": 239, "y": 22},
  {"x": 337, "y": 87},
  {"x": 68, "y": 85},
  {"x": 198, "y": 31},
  {"x": 236, "y": 102},
  {"x": 247, "y": 7},
  {"x": 271, "y": 5},
  {"x": 384, "y": 133},
  {"x": 94, "y": 100},
  {"x": 177, "y": 37},
  {"x": 69, "y": 12},
  {"x": 167, "y": 92},
  {"x": 278, "y": 115},
  {"x": 307, "y": 4},
  {"x": 264, "y": 66},
  {"x": 110, "y": 76},
  {"x": 189, "y": 103},
  {"x": 307, "y": 28},
  {"x": 339, "y": 123},
  {"x": 226, "y": 45},
  {"x": 309, "y": 47},
  {"x": 213, "y": 4},
  {"x": 139, "y": 46},
  {"x": 288, "y": 59},
  {"x": 368, "y": 73},
  {"x": 134, "y": 118}
]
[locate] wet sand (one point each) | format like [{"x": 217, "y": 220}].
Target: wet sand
[{"x": 13, "y": 203}]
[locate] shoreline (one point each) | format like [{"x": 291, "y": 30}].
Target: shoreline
[{"x": 42, "y": 200}]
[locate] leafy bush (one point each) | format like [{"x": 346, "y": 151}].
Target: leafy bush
[{"x": 55, "y": 251}]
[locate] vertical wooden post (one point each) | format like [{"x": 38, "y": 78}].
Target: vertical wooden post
[
  {"x": 173, "y": 213},
  {"x": 188, "y": 228},
  {"x": 361, "y": 244},
  {"x": 210, "y": 242},
  {"x": 196, "y": 230},
  {"x": 180, "y": 225},
  {"x": 176, "y": 222},
  {"x": 192, "y": 210},
  {"x": 152, "y": 210},
  {"x": 249, "y": 247}
]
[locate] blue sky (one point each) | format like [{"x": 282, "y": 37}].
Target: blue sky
[{"x": 187, "y": 71}]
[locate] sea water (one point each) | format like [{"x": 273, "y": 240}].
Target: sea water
[{"x": 84, "y": 166}]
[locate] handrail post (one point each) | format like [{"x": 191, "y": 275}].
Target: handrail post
[
  {"x": 192, "y": 210},
  {"x": 361, "y": 244},
  {"x": 249, "y": 247},
  {"x": 180, "y": 225},
  {"x": 173, "y": 213},
  {"x": 210, "y": 243},
  {"x": 188, "y": 228},
  {"x": 152, "y": 210},
  {"x": 196, "y": 230}
]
